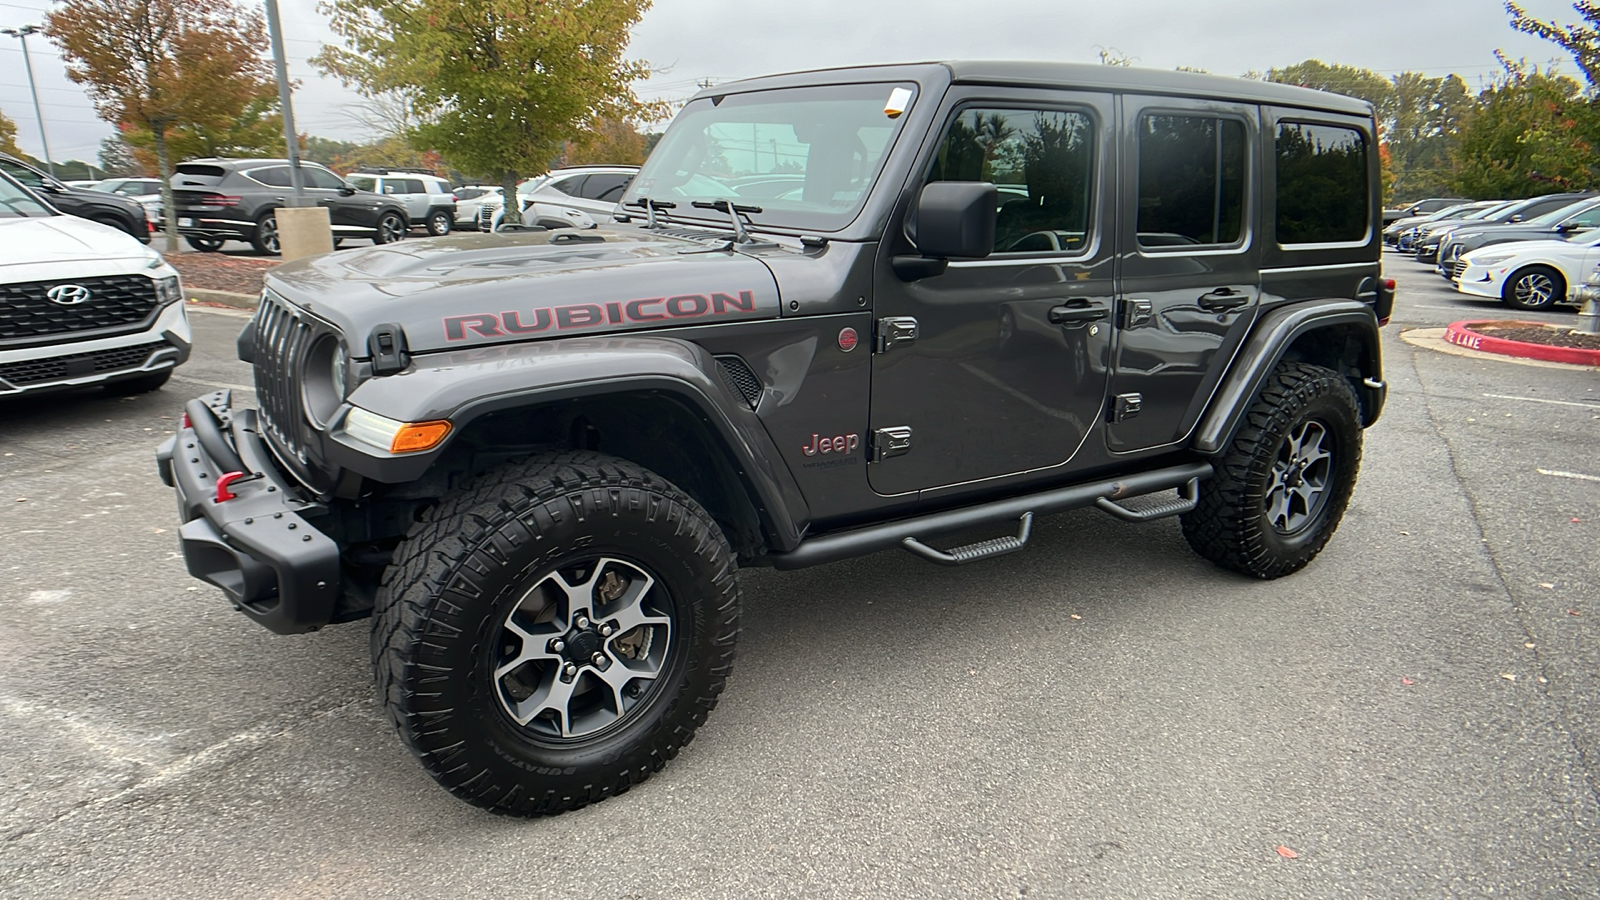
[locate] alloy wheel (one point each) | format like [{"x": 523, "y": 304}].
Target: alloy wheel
[{"x": 1300, "y": 478}]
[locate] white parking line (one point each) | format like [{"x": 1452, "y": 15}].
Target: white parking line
[
  {"x": 1541, "y": 400},
  {"x": 1557, "y": 473}
]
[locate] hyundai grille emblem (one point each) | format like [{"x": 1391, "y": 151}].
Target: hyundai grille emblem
[{"x": 68, "y": 294}]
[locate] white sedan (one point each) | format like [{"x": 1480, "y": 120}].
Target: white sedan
[{"x": 1530, "y": 274}]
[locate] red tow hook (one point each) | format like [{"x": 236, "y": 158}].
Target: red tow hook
[{"x": 223, "y": 482}]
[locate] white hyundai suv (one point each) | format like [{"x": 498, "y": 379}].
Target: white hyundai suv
[
  {"x": 82, "y": 303},
  {"x": 572, "y": 197}
]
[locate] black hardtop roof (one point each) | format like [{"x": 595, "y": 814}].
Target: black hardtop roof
[{"x": 1074, "y": 75}]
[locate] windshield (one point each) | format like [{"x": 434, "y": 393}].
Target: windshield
[
  {"x": 1494, "y": 210},
  {"x": 805, "y": 156},
  {"x": 16, "y": 203}
]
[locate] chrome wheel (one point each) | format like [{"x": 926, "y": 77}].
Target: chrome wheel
[
  {"x": 582, "y": 649},
  {"x": 1534, "y": 288},
  {"x": 1299, "y": 481}
]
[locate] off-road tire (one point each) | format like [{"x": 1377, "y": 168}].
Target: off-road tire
[
  {"x": 1231, "y": 526},
  {"x": 1534, "y": 287},
  {"x": 204, "y": 244},
  {"x": 264, "y": 237},
  {"x": 439, "y": 222},
  {"x": 443, "y": 606}
]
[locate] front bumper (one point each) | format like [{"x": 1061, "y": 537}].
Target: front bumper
[
  {"x": 164, "y": 345},
  {"x": 1480, "y": 281},
  {"x": 259, "y": 547}
]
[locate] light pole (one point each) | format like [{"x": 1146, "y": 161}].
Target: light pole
[
  {"x": 290, "y": 137},
  {"x": 21, "y": 33}
]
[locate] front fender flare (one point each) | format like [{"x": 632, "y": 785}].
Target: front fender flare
[
  {"x": 462, "y": 385},
  {"x": 1265, "y": 348}
]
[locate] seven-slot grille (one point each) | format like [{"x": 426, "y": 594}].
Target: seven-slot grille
[
  {"x": 1457, "y": 269},
  {"x": 485, "y": 217},
  {"x": 283, "y": 338},
  {"x": 117, "y": 303}
]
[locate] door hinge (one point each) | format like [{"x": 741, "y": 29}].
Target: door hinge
[
  {"x": 894, "y": 331},
  {"x": 1136, "y": 312},
  {"x": 892, "y": 441},
  {"x": 1126, "y": 406}
]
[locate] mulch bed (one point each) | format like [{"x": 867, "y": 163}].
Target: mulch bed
[
  {"x": 221, "y": 272},
  {"x": 1531, "y": 333}
]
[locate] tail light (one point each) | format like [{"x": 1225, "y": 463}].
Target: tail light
[{"x": 220, "y": 200}]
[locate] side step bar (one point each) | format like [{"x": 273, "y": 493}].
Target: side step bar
[
  {"x": 960, "y": 556},
  {"x": 829, "y": 548}
]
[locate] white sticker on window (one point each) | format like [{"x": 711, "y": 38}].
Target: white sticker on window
[{"x": 899, "y": 99}]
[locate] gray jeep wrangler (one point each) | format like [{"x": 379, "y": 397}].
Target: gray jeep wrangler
[{"x": 839, "y": 312}]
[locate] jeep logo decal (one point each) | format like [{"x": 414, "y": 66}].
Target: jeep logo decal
[
  {"x": 842, "y": 443},
  {"x": 587, "y": 315}
]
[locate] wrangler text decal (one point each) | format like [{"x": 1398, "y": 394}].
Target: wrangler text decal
[{"x": 588, "y": 315}]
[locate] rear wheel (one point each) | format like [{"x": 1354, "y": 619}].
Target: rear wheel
[
  {"x": 1282, "y": 486},
  {"x": 265, "y": 236},
  {"x": 553, "y": 633},
  {"x": 1536, "y": 287}
]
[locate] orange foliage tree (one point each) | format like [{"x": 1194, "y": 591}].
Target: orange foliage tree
[{"x": 164, "y": 67}]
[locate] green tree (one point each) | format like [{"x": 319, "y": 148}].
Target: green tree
[
  {"x": 498, "y": 85},
  {"x": 1531, "y": 133},
  {"x": 117, "y": 160},
  {"x": 163, "y": 65},
  {"x": 8, "y": 136},
  {"x": 1582, "y": 41}
]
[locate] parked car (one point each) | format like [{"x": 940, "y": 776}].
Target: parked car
[
  {"x": 593, "y": 190},
  {"x": 1392, "y": 233},
  {"x": 470, "y": 198},
  {"x": 428, "y": 199},
  {"x": 219, "y": 200},
  {"x": 491, "y": 214},
  {"x": 1408, "y": 237},
  {"x": 1433, "y": 237},
  {"x": 107, "y": 209},
  {"x": 537, "y": 461},
  {"x": 1573, "y": 217},
  {"x": 1529, "y": 274},
  {"x": 82, "y": 303},
  {"x": 1426, "y": 235}
]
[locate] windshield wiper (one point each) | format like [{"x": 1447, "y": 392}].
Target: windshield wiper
[
  {"x": 650, "y": 207},
  {"x": 738, "y": 213}
]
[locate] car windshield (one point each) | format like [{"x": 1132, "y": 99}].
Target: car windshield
[
  {"x": 829, "y": 140},
  {"x": 16, "y": 203},
  {"x": 1556, "y": 215},
  {"x": 1492, "y": 210}
]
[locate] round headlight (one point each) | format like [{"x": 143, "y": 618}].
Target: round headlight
[{"x": 336, "y": 372}]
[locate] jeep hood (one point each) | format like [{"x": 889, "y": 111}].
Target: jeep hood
[{"x": 468, "y": 290}]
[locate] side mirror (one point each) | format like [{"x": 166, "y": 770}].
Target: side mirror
[
  {"x": 954, "y": 219},
  {"x": 54, "y": 187},
  {"x": 1515, "y": 218},
  {"x": 1565, "y": 227},
  {"x": 347, "y": 191}
]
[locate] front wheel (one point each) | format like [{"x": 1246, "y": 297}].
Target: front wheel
[
  {"x": 551, "y": 634},
  {"x": 1536, "y": 287},
  {"x": 391, "y": 227},
  {"x": 204, "y": 244},
  {"x": 1282, "y": 486}
]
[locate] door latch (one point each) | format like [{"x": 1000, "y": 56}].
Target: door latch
[
  {"x": 892, "y": 441},
  {"x": 1136, "y": 312},
  {"x": 894, "y": 331}
]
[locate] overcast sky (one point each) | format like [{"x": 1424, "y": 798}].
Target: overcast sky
[{"x": 721, "y": 40}]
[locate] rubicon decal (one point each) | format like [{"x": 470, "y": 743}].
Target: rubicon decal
[
  {"x": 841, "y": 443},
  {"x": 580, "y": 316}
]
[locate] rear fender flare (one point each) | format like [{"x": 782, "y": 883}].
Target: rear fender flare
[
  {"x": 463, "y": 385},
  {"x": 1270, "y": 341}
]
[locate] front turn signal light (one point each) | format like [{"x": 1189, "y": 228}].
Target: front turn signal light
[{"x": 393, "y": 435}]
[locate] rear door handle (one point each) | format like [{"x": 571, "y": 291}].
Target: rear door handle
[
  {"x": 1223, "y": 299},
  {"x": 1078, "y": 314}
]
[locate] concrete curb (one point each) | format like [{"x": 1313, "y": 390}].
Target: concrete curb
[
  {"x": 1462, "y": 335},
  {"x": 221, "y": 298},
  {"x": 1433, "y": 339}
]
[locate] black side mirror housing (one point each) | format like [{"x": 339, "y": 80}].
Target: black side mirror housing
[
  {"x": 955, "y": 219},
  {"x": 347, "y": 191},
  {"x": 1565, "y": 227}
]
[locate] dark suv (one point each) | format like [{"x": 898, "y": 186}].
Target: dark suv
[
  {"x": 990, "y": 291},
  {"x": 107, "y": 209},
  {"x": 219, "y": 200},
  {"x": 1578, "y": 212}
]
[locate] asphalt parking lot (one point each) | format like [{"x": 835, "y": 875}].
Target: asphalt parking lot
[{"x": 1104, "y": 715}]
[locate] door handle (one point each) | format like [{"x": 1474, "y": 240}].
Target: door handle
[
  {"x": 1224, "y": 299},
  {"x": 1078, "y": 314}
]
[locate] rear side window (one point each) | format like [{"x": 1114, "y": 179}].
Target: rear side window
[
  {"x": 606, "y": 187},
  {"x": 1322, "y": 184},
  {"x": 276, "y": 176},
  {"x": 568, "y": 186},
  {"x": 1041, "y": 162},
  {"x": 1191, "y": 181}
]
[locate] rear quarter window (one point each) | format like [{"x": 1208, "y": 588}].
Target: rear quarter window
[
  {"x": 1323, "y": 193},
  {"x": 193, "y": 175}
]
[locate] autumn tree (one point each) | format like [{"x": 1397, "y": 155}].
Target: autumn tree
[
  {"x": 164, "y": 66},
  {"x": 607, "y": 142},
  {"x": 8, "y": 136},
  {"x": 1581, "y": 40},
  {"x": 1530, "y": 133},
  {"x": 497, "y": 85}
]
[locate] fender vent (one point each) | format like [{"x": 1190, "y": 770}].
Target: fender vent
[{"x": 740, "y": 378}]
